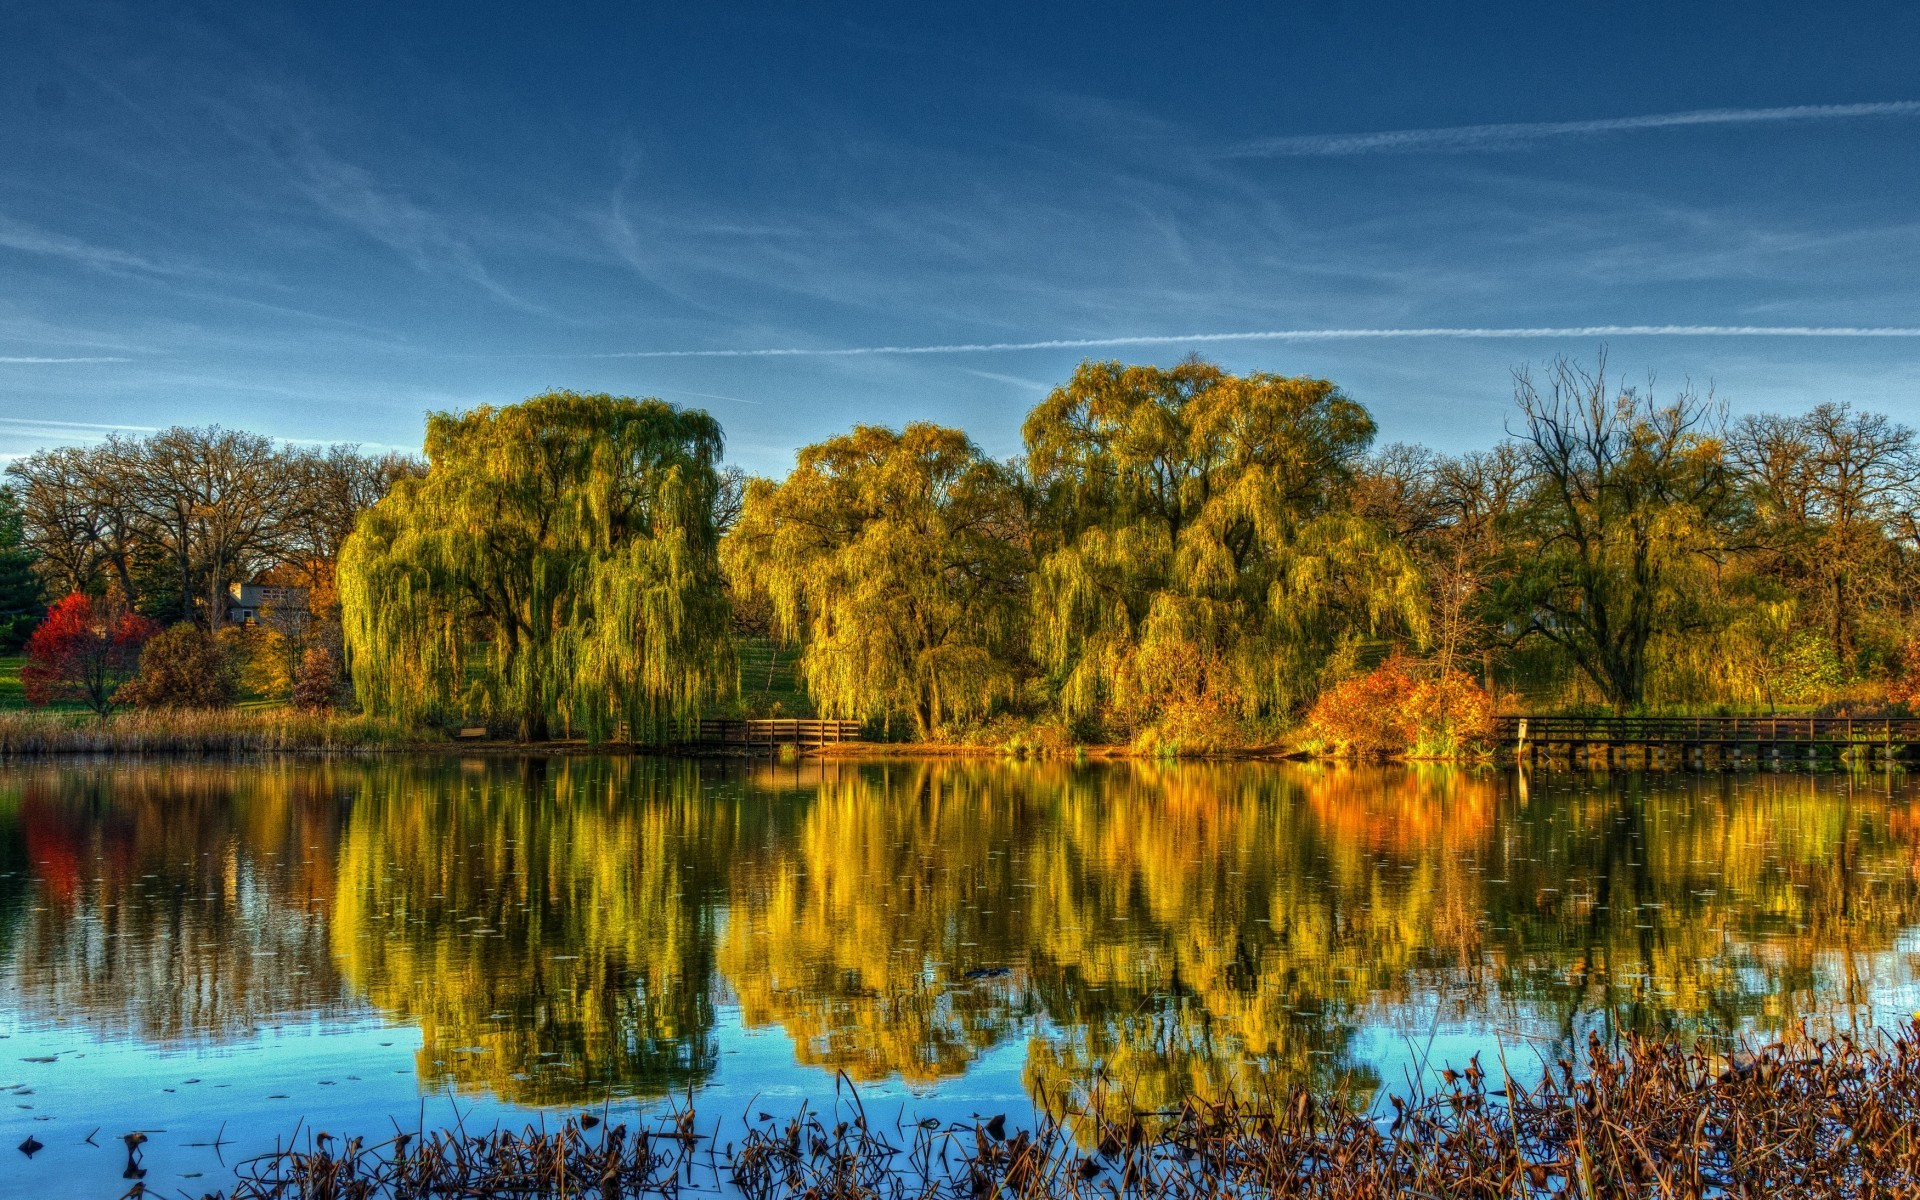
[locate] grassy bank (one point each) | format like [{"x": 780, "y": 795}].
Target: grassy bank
[
  {"x": 1650, "y": 1118},
  {"x": 39, "y": 734}
]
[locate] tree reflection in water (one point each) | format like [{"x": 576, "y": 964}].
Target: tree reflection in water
[
  {"x": 548, "y": 923},
  {"x": 561, "y": 929},
  {"x": 173, "y": 904}
]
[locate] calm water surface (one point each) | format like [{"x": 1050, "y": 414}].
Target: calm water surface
[{"x": 242, "y": 953}]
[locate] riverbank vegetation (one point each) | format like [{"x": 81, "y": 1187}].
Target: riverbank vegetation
[
  {"x": 1644, "y": 1118},
  {"x": 192, "y": 732},
  {"x": 1181, "y": 560},
  {"x": 1188, "y": 560}
]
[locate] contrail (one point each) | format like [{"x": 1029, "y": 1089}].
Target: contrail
[
  {"x": 22, "y": 360},
  {"x": 36, "y": 424},
  {"x": 1300, "y": 335},
  {"x": 1461, "y": 138}
]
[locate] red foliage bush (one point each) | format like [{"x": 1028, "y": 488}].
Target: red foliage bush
[
  {"x": 1367, "y": 715},
  {"x": 79, "y": 655}
]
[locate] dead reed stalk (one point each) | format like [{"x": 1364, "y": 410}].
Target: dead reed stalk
[{"x": 1647, "y": 1118}]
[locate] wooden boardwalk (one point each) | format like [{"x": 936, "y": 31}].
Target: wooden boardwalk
[
  {"x": 1693, "y": 739},
  {"x": 771, "y": 734}
]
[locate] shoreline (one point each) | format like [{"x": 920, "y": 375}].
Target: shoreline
[
  {"x": 884, "y": 752},
  {"x": 30, "y": 735}
]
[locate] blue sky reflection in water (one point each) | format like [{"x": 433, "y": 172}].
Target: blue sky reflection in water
[
  {"x": 319, "y": 221},
  {"x": 342, "y": 946}
]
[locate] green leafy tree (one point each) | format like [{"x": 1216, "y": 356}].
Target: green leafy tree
[
  {"x": 555, "y": 566},
  {"x": 20, "y": 597},
  {"x": 897, "y": 561},
  {"x": 1198, "y": 556},
  {"x": 1625, "y": 508}
]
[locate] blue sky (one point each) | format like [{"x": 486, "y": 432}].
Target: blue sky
[{"x": 321, "y": 221}]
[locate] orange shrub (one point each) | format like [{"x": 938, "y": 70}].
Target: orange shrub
[
  {"x": 1451, "y": 713},
  {"x": 1905, "y": 688},
  {"x": 1367, "y": 715},
  {"x": 1398, "y": 709}
]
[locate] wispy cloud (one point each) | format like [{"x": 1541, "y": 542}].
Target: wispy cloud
[
  {"x": 30, "y": 239},
  {"x": 1287, "y": 335},
  {"x": 1464, "y": 138},
  {"x": 1026, "y": 385},
  {"x": 352, "y": 195},
  {"x": 706, "y": 395}
]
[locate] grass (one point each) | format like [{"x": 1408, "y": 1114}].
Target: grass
[
  {"x": 13, "y": 692},
  {"x": 43, "y": 734},
  {"x": 770, "y": 680},
  {"x": 1648, "y": 1118}
]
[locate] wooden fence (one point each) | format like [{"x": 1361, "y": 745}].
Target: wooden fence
[
  {"x": 1776, "y": 737},
  {"x": 779, "y": 732}
]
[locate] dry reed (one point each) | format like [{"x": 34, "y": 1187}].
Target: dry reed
[
  {"x": 190, "y": 732},
  {"x": 1836, "y": 1118}
]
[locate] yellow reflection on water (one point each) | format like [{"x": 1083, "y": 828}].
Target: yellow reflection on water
[{"x": 561, "y": 929}]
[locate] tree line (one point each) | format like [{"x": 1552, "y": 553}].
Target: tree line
[
  {"x": 1193, "y": 557},
  {"x": 123, "y": 538},
  {"x": 168, "y": 521},
  {"x": 1181, "y": 557}
]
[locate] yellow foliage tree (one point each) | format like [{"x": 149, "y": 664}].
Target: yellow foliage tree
[
  {"x": 1195, "y": 516},
  {"x": 897, "y": 562},
  {"x": 556, "y": 565}
]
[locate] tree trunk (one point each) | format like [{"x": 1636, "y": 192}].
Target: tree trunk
[
  {"x": 186, "y": 582},
  {"x": 533, "y": 726},
  {"x": 216, "y": 601}
]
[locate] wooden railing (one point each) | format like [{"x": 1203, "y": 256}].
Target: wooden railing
[
  {"x": 778, "y": 732},
  {"x": 1708, "y": 731}
]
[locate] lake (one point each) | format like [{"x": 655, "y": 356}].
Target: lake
[{"x": 223, "y": 955}]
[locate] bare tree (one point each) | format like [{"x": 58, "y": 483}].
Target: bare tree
[
  {"x": 60, "y": 517},
  {"x": 728, "y": 497},
  {"x": 1626, "y": 502},
  {"x": 1832, "y": 496},
  {"x": 221, "y": 501},
  {"x": 1446, "y": 510},
  {"x": 335, "y": 486}
]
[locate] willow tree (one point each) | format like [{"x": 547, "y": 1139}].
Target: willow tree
[
  {"x": 1199, "y": 567},
  {"x": 897, "y": 562},
  {"x": 556, "y": 566}
]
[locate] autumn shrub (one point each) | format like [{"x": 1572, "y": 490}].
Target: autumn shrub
[
  {"x": 80, "y": 654},
  {"x": 184, "y": 667},
  {"x": 1184, "y": 700},
  {"x": 315, "y": 683},
  {"x": 1366, "y": 715},
  {"x": 1397, "y": 708},
  {"x": 1905, "y": 686},
  {"x": 1452, "y": 715},
  {"x": 263, "y": 660}
]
